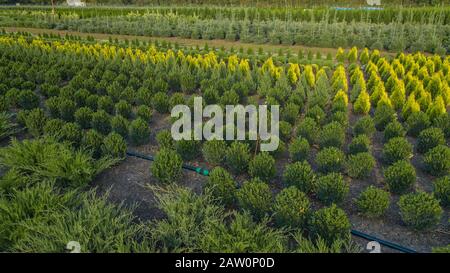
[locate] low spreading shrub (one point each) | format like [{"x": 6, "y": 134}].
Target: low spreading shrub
[
  {"x": 291, "y": 208},
  {"x": 114, "y": 145},
  {"x": 222, "y": 186},
  {"x": 359, "y": 144},
  {"x": 398, "y": 148},
  {"x": 360, "y": 165},
  {"x": 373, "y": 202},
  {"x": 331, "y": 135},
  {"x": 237, "y": 157},
  {"x": 214, "y": 151},
  {"x": 364, "y": 126},
  {"x": 332, "y": 188},
  {"x": 299, "y": 149},
  {"x": 262, "y": 166},
  {"x": 441, "y": 190},
  {"x": 400, "y": 176},
  {"x": 300, "y": 175},
  {"x": 437, "y": 160},
  {"x": 256, "y": 197},
  {"x": 393, "y": 129},
  {"x": 420, "y": 210},
  {"x": 330, "y": 160},
  {"x": 330, "y": 224},
  {"x": 430, "y": 138},
  {"x": 139, "y": 132},
  {"x": 166, "y": 167}
]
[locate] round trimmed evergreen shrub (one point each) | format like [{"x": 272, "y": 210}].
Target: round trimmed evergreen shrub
[
  {"x": 101, "y": 122},
  {"x": 290, "y": 113},
  {"x": 330, "y": 224},
  {"x": 71, "y": 132},
  {"x": 398, "y": 148},
  {"x": 373, "y": 202},
  {"x": 420, "y": 210},
  {"x": 222, "y": 185},
  {"x": 160, "y": 102},
  {"x": 383, "y": 116},
  {"x": 165, "y": 140},
  {"x": 331, "y": 135},
  {"x": 430, "y": 138},
  {"x": 437, "y": 160},
  {"x": 124, "y": 109},
  {"x": 120, "y": 125},
  {"x": 299, "y": 149},
  {"x": 53, "y": 127},
  {"x": 35, "y": 121},
  {"x": 83, "y": 117},
  {"x": 359, "y": 144},
  {"x": 300, "y": 175},
  {"x": 92, "y": 102},
  {"x": 332, "y": 188},
  {"x": 443, "y": 122},
  {"x": 114, "y": 145},
  {"x": 67, "y": 109},
  {"x": 214, "y": 151},
  {"x": 106, "y": 104},
  {"x": 139, "y": 132},
  {"x": 393, "y": 129},
  {"x": 256, "y": 197},
  {"x": 364, "y": 126},
  {"x": 291, "y": 208},
  {"x": 27, "y": 99},
  {"x": 285, "y": 129},
  {"x": 144, "y": 112},
  {"x": 317, "y": 114},
  {"x": 400, "y": 176},
  {"x": 330, "y": 160},
  {"x": 93, "y": 140},
  {"x": 188, "y": 149},
  {"x": 237, "y": 157},
  {"x": 308, "y": 129},
  {"x": 441, "y": 190},
  {"x": 167, "y": 166},
  {"x": 416, "y": 123},
  {"x": 360, "y": 165},
  {"x": 262, "y": 166}
]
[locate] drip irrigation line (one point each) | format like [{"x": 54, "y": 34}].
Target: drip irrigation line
[{"x": 354, "y": 232}]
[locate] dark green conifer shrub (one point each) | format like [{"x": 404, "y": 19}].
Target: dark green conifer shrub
[
  {"x": 332, "y": 188},
  {"x": 291, "y": 208},
  {"x": 420, "y": 210},
  {"x": 400, "y": 176},
  {"x": 330, "y": 160},
  {"x": 373, "y": 202},
  {"x": 300, "y": 175}
]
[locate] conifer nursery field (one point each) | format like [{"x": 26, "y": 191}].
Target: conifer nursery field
[{"x": 87, "y": 153}]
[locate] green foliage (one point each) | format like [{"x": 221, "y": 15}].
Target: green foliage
[
  {"x": 441, "y": 190},
  {"x": 400, "y": 176},
  {"x": 214, "y": 151},
  {"x": 101, "y": 122},
  {"x": 330, "y": 160},
  {"x": 300, "y": 175},
  {"x": 120, "y": 125},
  {"x": 35, "y": 121},
  {"x": 165, "y": 140},
  {"x": 332, "y": 188},
  {"x": 330, "y": 223},
  {"x": 398, "y": 148},
  {"x": 416, "y": 123},
  {"x": 27, "y": 99},
  {"x": 83, "y": 116},
  {"x": 222, "y": 186},
  {"x": 430, "y": 138},
  {"x": 139, "y": 132},
  {"x": 124, "y": 109},
  {"x": 393, "y": 129},
  {"x": 160, "y": 102},
  {"x": 167, "y": 166},
  {"x": 437, "y": 160},
  {"x": 290, "y": 113},
  {"x": 331, "y": 135},
  {"x": 360, "y": 165},
  {"x": 443, "y": 122},
  {"x": 359, "y": 144},
  {"x": 291, "y": 208},
  {"x": 256, "y": 197},
  {"x": 93, "y": 140},
  {"x": 144, "y": 112},
  {"x": 114, "y": 145},
  {"x": 188, "y": 149},
  {"x": 364, "y": 126},
  {"x": 262, "y": 166},
  {"x": 106, "y": 104},
  {"x": 373, "y": 202},
  {"x": 299, "y": 149},
  {"x": 237, "y": 157},
  {"x": 420, "y": 210},
  {"x": 383, "y": 116},
  {"x": 71, "y": 132},
  {"x": 307, "y": 129},
  {"x": 7, "y": 127}
]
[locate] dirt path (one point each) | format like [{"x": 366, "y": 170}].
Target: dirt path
[{"x": 186, "y": 42}]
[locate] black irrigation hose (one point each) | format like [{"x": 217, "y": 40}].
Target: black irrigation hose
[{"x": 357, "y": 233}]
